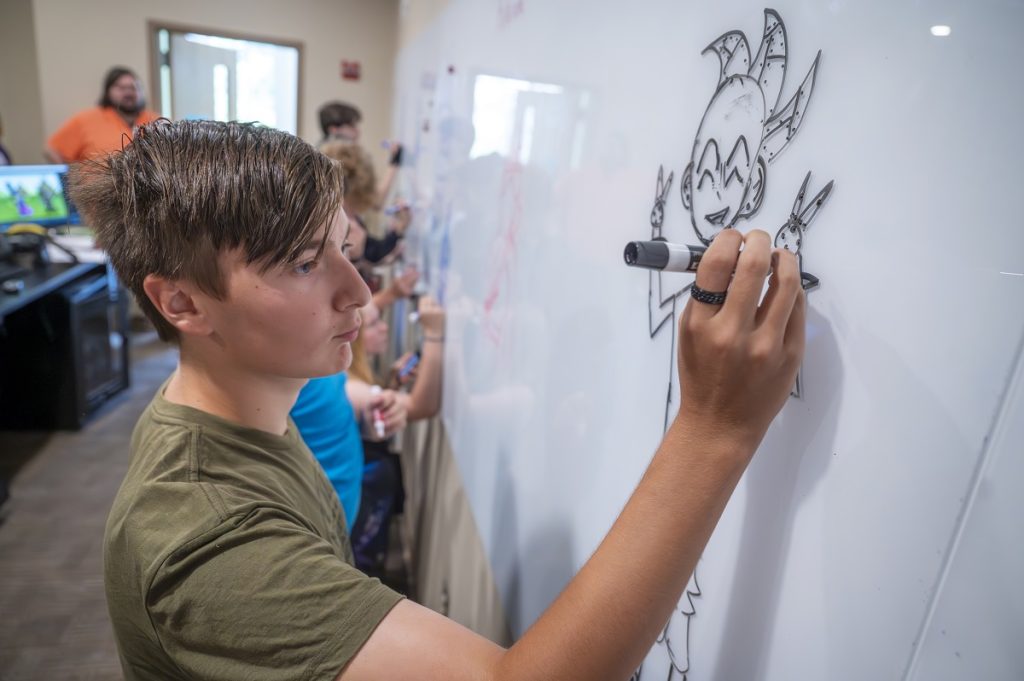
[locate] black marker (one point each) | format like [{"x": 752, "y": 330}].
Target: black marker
[{"x": 661, "y": 255}]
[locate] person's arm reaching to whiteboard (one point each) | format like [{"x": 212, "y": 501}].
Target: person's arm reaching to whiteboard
[{"x": 737, "y": 363}]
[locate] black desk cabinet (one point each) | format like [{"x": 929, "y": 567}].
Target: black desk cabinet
[{"x": 63, "y": 355}]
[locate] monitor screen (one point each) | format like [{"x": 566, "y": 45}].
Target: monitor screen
[{"x": 35, "y": 195}]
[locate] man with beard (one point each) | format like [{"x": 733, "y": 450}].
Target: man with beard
[{"x": 101, "y": 129}]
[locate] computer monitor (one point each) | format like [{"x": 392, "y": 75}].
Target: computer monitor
[{"x": 35, "y": 195}]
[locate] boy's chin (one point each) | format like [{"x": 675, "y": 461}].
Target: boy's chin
[
  {"x": 340, "y": 361},
  {"x": 343, "y": 360}
]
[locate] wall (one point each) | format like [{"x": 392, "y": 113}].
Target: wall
[
  {"x": 416, "y": 16},
  {"x": 78, "y": 41},
  {"x": 20, "y": 106}
]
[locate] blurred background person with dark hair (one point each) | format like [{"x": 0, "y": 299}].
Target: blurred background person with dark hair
[
  {"x": 340, "y": 124},
  {"x": 101, "y": 129},
  {"x": 339, "y": 120}
]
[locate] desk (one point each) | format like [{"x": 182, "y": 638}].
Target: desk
[
  {"x": 63, "y": 346},
  {"x": 42, "y": 281}
]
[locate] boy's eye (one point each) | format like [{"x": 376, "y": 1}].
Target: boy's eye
[
  {"x": 706, "y": 175},
  {"x": 734, "y": 175},
  {"x": 346, "y": 247},
  {"x": 305, "y": 268}
]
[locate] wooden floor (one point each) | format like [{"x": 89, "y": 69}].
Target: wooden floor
[{"x": 53, "y": 616}]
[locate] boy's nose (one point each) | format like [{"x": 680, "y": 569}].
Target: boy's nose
[{"x": 350, "y": 290}]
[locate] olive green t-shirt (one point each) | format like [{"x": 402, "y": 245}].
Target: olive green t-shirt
[{"x": 225, "y": 556}]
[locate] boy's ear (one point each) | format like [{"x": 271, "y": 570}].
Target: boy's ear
[
  {"x": 754, "y": 195},
  {"x": 177, "y": 305},
  {"x": 686, "y": 186}
]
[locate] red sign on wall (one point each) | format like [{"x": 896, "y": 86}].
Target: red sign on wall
[{"x": 350, "y": 70}]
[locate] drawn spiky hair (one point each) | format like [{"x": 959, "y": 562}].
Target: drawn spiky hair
[{"x": 768, "y": 68}]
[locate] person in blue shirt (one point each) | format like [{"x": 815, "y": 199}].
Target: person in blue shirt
[{"x": 328, "y": 425}]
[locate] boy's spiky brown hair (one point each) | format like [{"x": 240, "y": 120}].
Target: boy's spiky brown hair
[{"x": 182, "y": 192}]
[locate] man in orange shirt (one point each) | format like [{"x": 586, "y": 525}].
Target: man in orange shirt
[{"x": 101, "y": 129}]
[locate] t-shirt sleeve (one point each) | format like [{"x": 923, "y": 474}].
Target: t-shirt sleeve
[
  {"x": 376, "y": 249},
  {"x": 263, "y": 597},
  {"x": 68, "y": 140}
]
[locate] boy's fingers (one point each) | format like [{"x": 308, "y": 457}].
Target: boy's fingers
[
  {"x": 797, "y": 324},
  {"x": 777, "y": 306},
  {"x": 773, "y": 288},
  {"x": 715, "y": 270},
  {"x": 751, "y": 269}
]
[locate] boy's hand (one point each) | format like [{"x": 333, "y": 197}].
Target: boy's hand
[
  {"x": 738, "y": 361},
  {"x": 431, "y": 316},
  {"x": 391, "y": 410}
]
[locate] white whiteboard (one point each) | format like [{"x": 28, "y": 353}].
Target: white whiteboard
[{"x": 536, "y": 131}]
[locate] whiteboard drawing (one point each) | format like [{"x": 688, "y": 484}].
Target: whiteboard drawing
[
  {"x": 743, "y": 130},
  {"x": 664, "y": 311},
  {"x": 791, "y": 235}
]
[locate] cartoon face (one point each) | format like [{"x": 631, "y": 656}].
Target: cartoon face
[
  {"x": 743, "y": 129},
  {"x": 724, "y": 181}
]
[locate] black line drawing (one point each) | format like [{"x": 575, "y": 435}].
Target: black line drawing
[
  {"x": 791, "y": 237},
  {"x": 742, "y": 131},
  {"x": 666, "y": 307},
  {"x": 724, "y": 182}
]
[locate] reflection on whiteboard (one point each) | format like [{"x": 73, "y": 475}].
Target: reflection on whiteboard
[{"x": 723, "y": 183}]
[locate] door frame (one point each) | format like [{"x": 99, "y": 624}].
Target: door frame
[{"x": 153, "y": 28}]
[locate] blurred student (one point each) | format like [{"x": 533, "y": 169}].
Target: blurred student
[
  {"x": 360, "y": 180},
  {"x": 105, "y": 127},
  {"x": 322, "y": 412},
  {"x": 339, "y": 122},
  {"x": 383, "y": 494}
]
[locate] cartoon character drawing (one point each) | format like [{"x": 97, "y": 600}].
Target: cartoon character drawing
[
  {"x": 665, "y": 308},
  {"x": 46, "y": 195},
  {"x": 791, "y": 235},
  {"x": 742, "y": 132},
  {"x": 20, "y": 200}
]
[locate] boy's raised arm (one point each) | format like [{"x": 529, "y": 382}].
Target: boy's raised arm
[{"x": 737, "y": 363}]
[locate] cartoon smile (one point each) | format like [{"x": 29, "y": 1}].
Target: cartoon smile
[{"x": 717, "y": 218}]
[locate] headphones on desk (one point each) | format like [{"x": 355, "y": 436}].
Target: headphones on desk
[{"x": 25, "y": 245}]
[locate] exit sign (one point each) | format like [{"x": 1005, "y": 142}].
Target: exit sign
[{"x": 350, "y": 70}]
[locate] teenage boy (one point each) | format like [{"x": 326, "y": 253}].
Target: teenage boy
[{"x": 225, "y": 554}]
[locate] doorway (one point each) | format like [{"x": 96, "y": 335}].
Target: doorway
[{"x": 207, "y": 75}]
